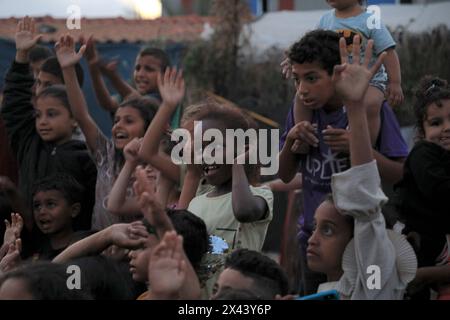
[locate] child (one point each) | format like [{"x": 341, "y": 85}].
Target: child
[
  {"x": 41, "y": 137},
  {"x": 349, "y": 18},
  {"x": 350, "y": 239},
  {"x": 424, "y": 189},
  {"x": 37, "y": 56},
  {"x": 316, "y": 55},
  {"x": 56, "y": 203},
  {"x": 131, "y": 120},
  {"x": 250, "y": 270},
  {"x": 234, "y": 210},
  {"x": 149, "y": 63}
]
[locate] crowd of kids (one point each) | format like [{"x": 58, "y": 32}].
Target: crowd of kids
[{"x": 142, "y": 226}]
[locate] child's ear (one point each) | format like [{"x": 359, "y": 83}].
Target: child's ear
[{"x": 76, "y": 208}]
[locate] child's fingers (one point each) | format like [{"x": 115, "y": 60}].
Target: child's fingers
[
  {"x": 81, "y": 51},
  {"x": 343, "y": 50},
  {"x": 179, "y": 80},
  {"x": 32, "y": 26},
  {"x": 19, "y": 245},
  {"x": 173, "y": 75},
  {"x": 368, "y": 54},
  {"x": 357, "y": 50},
  {"x": 166, "y": 76},
  {"x": 7, "y": 224}
]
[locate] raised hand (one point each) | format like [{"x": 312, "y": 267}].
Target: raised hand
[
  {"x": 131, "y": 150},
  {"x": 171, "y": 87},
  {"x": 129, "y": 236},
  {"x": 167, "y": 269},
  {"x": 65, "y": 52},
  {"x": 91, "y": 52},
  {"x": 25, "y": 34},
  {"x": 352, "y": 79},
  {"x": 12, "y": 258},
  {"x": 13, "y": 229},
  {"x": 286, "y": 68},
  {"x": 305, "y": 133},
  {"x": 154, "y": 212}
]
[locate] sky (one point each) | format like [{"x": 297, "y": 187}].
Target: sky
[{"x": 88, "y": 8}]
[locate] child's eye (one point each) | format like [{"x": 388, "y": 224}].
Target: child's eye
[
  {"x": 435, "y": 123},
  {"x": 311, "y": 78},
  {"x": 51, "y": 205},
  {"x": 36, "y": 206},
  {"x": 327, "y": 231}
]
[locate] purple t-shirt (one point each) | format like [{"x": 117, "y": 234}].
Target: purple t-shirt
[{"x": 321, "y": 163}]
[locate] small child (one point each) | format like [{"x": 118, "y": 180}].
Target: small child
[
  {"x": 130, "y": 121},
  {"x": 149, "y": 63},
  {"x": 425, "y": 187},
  {"x": 349, "y": 18},
  {"x": 350, "y": 243},
  {"x": 56, "y": 203}
]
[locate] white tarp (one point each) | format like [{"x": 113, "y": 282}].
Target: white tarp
[{"x": 281, "y": 29}]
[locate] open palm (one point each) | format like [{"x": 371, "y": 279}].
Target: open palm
[
  {"x": 65, "y": 52},
  {"x": 171, "y": 86},
  {"x": 25, "y": 37},
  {"x": 352, "y": 79}
]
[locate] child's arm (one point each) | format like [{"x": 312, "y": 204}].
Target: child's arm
[
  {"x": 67, "y": 57},
  {"x": 101, "y": 92},
  {"x": 171, "y": 87},
  {"x": 357, "y": 191},
  {"x": 157, "y": 216},
  {"x": 279, "y": 186},
  {"x": 17, "y": 109},
  {"x": 118, "y": 203},
  {"x": 394, "y": 89},
  {"x": 430, "y": 276},
  {"x": 122, "y": 87},
  {"x": 190, "y": 186},
  {"x": 128, "y": 236},
  {"x": 246, "y": 206}
]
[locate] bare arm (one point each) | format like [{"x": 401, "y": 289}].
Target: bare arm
[
  {"x": 246, "y": 206},
  {"x": 129, "y": 236},
  {"x": 118, "y": 203},
  {"x": 390, "y": 170},
  {"x": 172, "y": 90},
  {"x": 394, "y": 89},
  {"x": 279, "y": 186},
  {"x": 65, "y": 52},
  {"x": 122, "y": 87},
  {"x": 190, "y": 186}
]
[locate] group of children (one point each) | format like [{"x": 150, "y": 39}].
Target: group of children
[{"x": 120, "y": 208}]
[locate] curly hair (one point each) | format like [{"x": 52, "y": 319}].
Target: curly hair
[
  {"x": 319, "y": 46},
  {"x": 430, "y": 90}
]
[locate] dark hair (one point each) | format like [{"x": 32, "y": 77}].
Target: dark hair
[
  {"x": 146, "y": 106},
  {"x": 269, "y": 278},
  {"x": 232, "y": 118},
  {"x": 430, "y": 90},
  {"x": 236, "y": 294},
  {"x": 51, "y": 65},
  {"x": 39, "y": 53},
  {"x": 57, "y": 91},
  {"x": 193, "y": 230},
  {"x": 105, "y": 278},
  {"x": 159, "y": 54},
  {"x": 349, "y": 219},
  {"x": 69, "y": 187},
  {"x": 319, "y": 46},
  {"x": 45, "y": 281}
]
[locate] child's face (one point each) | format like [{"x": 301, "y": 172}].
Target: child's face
[
  {"x": 342, "y": 4},
  {"x": 15, "y": 289},
  {"x": 146, "y": 73},
  {"x": 53, "y": 121},
  {"x": 140, "y": 258},
  {"x": 215, "y": 174},
  {"x": 233, "y": 279},
  {"x": 437, "y": 124},
  {"x": 314, "y": 85},
  {"x": 328, "y": 242},
  {"x": 128, "y": 124},
  {"x": 45, "y": 80},
  {"x": 52, "y": 213}
]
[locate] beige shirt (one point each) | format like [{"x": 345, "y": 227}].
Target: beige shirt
[{"x": 217, "y": 213}]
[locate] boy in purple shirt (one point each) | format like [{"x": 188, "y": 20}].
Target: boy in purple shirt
[{"x": 313, "y": 60}]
